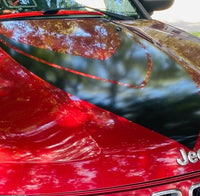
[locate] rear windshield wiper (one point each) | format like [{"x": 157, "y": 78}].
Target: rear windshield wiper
[{"x": 106, "y": 13}]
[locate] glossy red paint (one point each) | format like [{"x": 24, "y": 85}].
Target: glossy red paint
[
  {"x": 59, "y": 143},
  {"x": 52, "y": 142}
]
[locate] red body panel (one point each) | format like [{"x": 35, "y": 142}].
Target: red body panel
[{"x": 53, "y": 142}]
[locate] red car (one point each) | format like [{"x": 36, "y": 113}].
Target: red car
[{"x": 96, "y": 98}]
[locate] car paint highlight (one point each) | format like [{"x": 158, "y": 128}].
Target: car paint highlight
[{"x": 65, "y": 144}]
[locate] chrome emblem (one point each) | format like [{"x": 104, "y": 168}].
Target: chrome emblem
[{"x": 190, "y": 157}]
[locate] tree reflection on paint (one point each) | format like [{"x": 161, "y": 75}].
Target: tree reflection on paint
[
  {"x": 76, "y": 37},
  {"x": 52, "y": 141},
  {"x": 158, "y": 103}
]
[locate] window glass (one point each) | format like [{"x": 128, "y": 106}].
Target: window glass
[{"x": 122, "y": 7}]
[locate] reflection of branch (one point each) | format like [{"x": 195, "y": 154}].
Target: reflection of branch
[
  {"x": 149, "y": 64},
  {"x": 145, "y": 81}
]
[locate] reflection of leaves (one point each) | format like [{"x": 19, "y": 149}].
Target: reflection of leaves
[
  {"x": 168, "y": 88},
  {"x": 97, "y": 40},
  {"x": 181, "y": 45}
]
